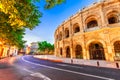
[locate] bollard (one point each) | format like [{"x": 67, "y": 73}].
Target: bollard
[
  {"x": 98, "y": 64},
  {"x": 117, "y": 65},
  {"x": 72, "y": 61}
]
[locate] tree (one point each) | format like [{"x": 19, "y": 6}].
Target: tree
[
  {"x": 9, "y": 35},
  {"x": 51, "y": 3},
  {"x": 16, "y": 16},
  {"x": 44, "y": 45},
  {"x": 21, "y": 13}
]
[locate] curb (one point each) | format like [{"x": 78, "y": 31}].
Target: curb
[{"x": 52, "y": 60}]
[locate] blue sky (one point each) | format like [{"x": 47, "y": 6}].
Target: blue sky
[{"x": 52, "y": 18}]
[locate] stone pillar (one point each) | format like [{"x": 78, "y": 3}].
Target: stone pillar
[
  {"x": 103, "y": 18},
  {"x": 71, "y": 40},
  {"x": 84, "y": 53},
  {"x": 64, "y": 52},
  {"x": 87, "y": 54},
  {"x": 108, "y": 48},
  {"x": 56, "y": 43},
  {"x": 110, "y": 55},
  {"x": 63, "y": 46},
  {"x": 81, "y": 27}
]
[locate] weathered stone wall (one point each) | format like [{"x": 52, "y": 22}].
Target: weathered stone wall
[{"x": 104, "y": 33}]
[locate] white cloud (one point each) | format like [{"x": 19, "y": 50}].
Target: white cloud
[{"x": 32, "y": 38}]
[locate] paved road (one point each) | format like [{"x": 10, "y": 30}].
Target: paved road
[{"x": 35, "y": 69}]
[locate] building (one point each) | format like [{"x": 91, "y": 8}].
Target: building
[
  {"x": 33, "y": 47},
  {"x": 27, "y": 49},
  {"x": 93, "y": 33},
  {"x": 6, "y": 51}
]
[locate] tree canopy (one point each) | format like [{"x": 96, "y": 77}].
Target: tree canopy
[
  {"x": 16, "y": 16},
  {"x": 44, "y": 45}
]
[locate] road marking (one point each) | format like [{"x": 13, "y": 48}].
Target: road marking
[
  {"x": 40, "y": 76},
  {"x": 37, "y": 74},
  {"x": 69, "y": 66},
  {"x": 105, "y": 78},
  {"x": 27, "y": 70}
]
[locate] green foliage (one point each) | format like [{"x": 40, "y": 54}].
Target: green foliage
[
  {"x": 9, "y": 35},
  {"x": 21, "y": 13},
  {"x": 44, "y": 45},
  {"x": 51, "y": 3},
  {"x": 16, "y": 16}
]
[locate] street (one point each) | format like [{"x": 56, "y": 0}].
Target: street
[{"x": 30, "y": 68}]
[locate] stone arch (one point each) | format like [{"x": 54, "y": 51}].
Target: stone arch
[
  {"x": 96, "y": 51},
  {"x": 61, "y": 51},
  {"x": 57, "y": 37},
  {"x": 68, "y": 54},
  {"x": 114, "y": 40},
  {"x": 60, "y": 36},
  {"x": 91, "y": 21},
  {"x": 76, "y": 28},
  {"x": 96, "y": 41},
  {"x": 112, "y": 16},
  {"x": 117, "y": 48},
  {"x": 66, "y": 32},
  {"x": 78, "y": 51}
]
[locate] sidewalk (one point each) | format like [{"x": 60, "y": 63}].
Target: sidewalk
[
  {"x": 7, "y": 72},
  {"x": 97, "y": 63}
]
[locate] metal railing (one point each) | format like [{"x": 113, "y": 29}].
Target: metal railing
[{"x": 92, "y": 29}]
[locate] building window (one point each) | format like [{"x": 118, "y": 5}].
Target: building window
[
  {"x": 78, "y": 52},
  {"x": 92, "y": 24},
  {"x": 77, "y": 29},
  {"x": 61, "y": 51},
  {"x": 60, "y": 36},
  {"x": 112, "y": 20},
  {"x": 117, "y": 49},
  {"x": 56, "y": 37},
  {"x": 66, "y": 33},
  {"x": 96, "y": 51},
  {"x": 68, "y": 52}
]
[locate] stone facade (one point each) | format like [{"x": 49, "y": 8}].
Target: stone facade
[
  {"x": 6, "y": 51},
  {"x": 92, "y": 33}
]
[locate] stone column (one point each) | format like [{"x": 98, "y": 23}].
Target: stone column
[
  {"x": 71, "y": 40},
  {"x": 81, "y": 26},
  {"x": 63, "y": 47},
  {"x": 56, "y": 44},
  {"x": 103, "y": 18},
  {"x": 109, "y": 49},
  {"x": 64, "y": 51}
]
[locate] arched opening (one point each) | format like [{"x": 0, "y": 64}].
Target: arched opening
[
  {"x": 92, "y": 24},
  {"x": 96, "y": 51},
  {"x": 68, "y": 52},
  {"x": 56, "y": 37},
  {"x": 66, "y": 33},
  {"x": 117, "y": 49},
  {"x": 113, "y": 19},
  {"x": 77, "y": 29},
  {"x": 78, "y": 52},
  {"x": 61, "y": 51},
  {"x": 60, "y": 36}
]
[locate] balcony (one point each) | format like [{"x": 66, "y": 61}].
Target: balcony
[
  {"x": 114, "y": 25},
  {"x": 92, "y": 29}
]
